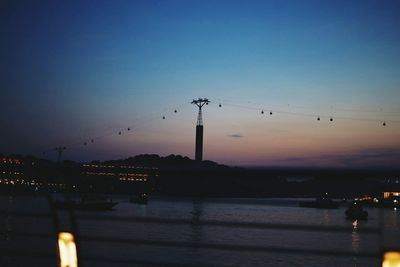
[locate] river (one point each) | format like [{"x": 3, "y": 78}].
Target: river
[{"x": 270, "y": 211}]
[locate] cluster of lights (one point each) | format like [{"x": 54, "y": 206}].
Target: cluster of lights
[
  {"x": 98, "y": 166},
  {"x": 13, "y": 173},
  {"x": 122, "y": 167},
  {"x": 133, "y": 179},
  {"x": 133, "y": 174},
  {"x": 100, "y": 173},
  {"x": 29, "y": 183},
  {"x": 391, "y": 194},
  {"x": 57, "y": 185},
  {"x": 318, "y": 118},
  {"x": 364, "y": 198},
  {"x": 123, "y": 176},
  {"x": 11, "y": 161},
  {"x": 138, "y": 167},
  {"x": 8, "y": 181}
]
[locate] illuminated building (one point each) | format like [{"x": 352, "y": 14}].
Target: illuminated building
[
  {"x": 391, "y": 188},
  {"x": 121, "y": 173}
]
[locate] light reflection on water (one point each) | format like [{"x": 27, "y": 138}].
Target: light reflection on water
[
  {"x": 355, "y": 237},
  {"x": 260, "y": 210},
  {"x": 355, "y": 241}
]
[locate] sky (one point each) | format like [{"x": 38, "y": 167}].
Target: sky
[{"x": 73, "y": 71}]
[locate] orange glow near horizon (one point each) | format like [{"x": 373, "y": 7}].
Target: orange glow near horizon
[{"x": 246, "y": 138}]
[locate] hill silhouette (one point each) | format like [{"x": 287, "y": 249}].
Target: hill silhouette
[
  {"x": 169, "y": 162},
  {"x": 180, "y": 175}
]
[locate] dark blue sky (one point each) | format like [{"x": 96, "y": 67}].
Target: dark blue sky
[{"x": 76, "y": 70}]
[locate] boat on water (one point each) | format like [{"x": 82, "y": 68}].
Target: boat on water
[
  {"x": 140, "y": 199},
  {"x": 356, "y": 212},
  {"x": 324, "y": 202},
  {"x": 89, "y": 203}
]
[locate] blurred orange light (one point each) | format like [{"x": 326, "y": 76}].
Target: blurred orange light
[
  {"x": 391, "y": 259},
  {"x": 67, "y": 250}
]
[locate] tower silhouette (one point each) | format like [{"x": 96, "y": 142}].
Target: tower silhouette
[
  {"x": 60, "y": 150},
  {"x": 199, "y": 128}
]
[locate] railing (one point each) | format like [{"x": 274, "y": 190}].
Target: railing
[{"x": 74, "y": 218}]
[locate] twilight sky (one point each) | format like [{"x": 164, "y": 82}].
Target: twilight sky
[{"x": 72, "y": 71}]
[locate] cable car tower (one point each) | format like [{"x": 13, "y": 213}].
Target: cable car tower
[
  {"x": 60, "y": 150},
  {"x": 199, "y": 128}
]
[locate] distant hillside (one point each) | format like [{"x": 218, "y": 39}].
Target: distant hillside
[
  {"x": 181, "y": 176},
  {"x": 168, "y": 162}
]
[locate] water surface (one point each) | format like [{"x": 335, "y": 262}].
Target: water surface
[{"x": 278, "y": 211}]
